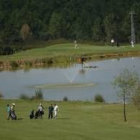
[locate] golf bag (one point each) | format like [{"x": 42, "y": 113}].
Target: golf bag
[
  {"x": 36, "y": 114},
  {"x": 32, "y": 114},
  {"x": 39, "y": 114},
  {"x": 13, "y": 115}
]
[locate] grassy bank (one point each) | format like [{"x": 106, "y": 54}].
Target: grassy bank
[
  {"x": 64, "y": 55},
  {"x": 62, "y": 50},
  {"x": 76, "y": 121}
]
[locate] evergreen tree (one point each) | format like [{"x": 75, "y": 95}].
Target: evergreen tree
[{"x": 86, "y": 20}]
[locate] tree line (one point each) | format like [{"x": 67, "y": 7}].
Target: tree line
[{"x": 99, "y": 21}]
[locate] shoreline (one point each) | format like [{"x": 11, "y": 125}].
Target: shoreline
[{"x": 63, "y": 61}]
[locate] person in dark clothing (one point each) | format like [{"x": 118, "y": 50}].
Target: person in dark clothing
[
  {"x": 117, "y": 43},
  {"x": 50, "y": 116}
]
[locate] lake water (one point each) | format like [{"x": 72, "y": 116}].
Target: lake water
[{"x": 64, "y": 80}]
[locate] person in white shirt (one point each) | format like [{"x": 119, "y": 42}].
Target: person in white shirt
[
  {"x": 55, "y": 110},
  {"x": 76, "y": 45},
  {"x": 132, "y": 44},
  {"x": 13, "y": 107},
  {"x": 40, "y": 110},
  {"x": 112, "y": 42}
]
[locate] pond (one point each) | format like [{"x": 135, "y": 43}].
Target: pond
[{"x": 76, "y": 82}]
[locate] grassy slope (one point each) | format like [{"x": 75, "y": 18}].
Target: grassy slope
[
  {"x": 66, "y": 49},
  {"x": 76, "y": 121}
]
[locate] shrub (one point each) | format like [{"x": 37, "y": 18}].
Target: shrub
[
  {"x": 14, "y": 64},
  {"x": 24, "y": 97},
  {"x": 1, "y": 96},
  {"x": 43, "y": 60},
  {"x": 28, "y": 63},
  {"x": 136, "y": 101},
  {"x": 38, "y": 95},
  {"x": 65, "y": 99},
  {"x": 1, "y": 62},
  {"x": 136, "y": 97},
  {"x": 99, "y": 98},
  {"x": 50, "y": 61},
  {"x": 6, "y": 50}
]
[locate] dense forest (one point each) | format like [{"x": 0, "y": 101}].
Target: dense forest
[{"x": 96, "y": 20}]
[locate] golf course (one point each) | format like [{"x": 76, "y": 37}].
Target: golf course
[
  {"x": 69, "y": 70},
  {"x": 75, "y": 121}
]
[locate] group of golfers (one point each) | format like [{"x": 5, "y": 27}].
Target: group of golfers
[{"x": 52, "y": 112}]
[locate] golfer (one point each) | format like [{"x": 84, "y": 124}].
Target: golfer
[{"x": 55, "y": 110}]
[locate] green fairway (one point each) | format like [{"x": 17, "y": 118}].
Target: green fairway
[
  {"x": 76, "y": 121},
  {"x": 68, "y": 50}
]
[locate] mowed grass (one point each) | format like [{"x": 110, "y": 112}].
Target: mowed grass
[
  {"x": 68, "y": 50},
  {"x": 76, "y": 121}
]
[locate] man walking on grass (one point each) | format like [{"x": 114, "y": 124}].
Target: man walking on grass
[
  {"x": 50, "y": 116},
  {"x": 55, "y": 110}
]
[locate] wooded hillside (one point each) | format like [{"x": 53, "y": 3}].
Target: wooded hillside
[{"x": 96, "y": 20}]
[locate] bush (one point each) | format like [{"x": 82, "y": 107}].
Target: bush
[
  {"x": 136, "y": 101},
  {"x": 28, "y": 63},
  {"x": 1, "y": 62},
  {"x": 14, "y": 64},
  {"x": 65, "y": 99},
  {"x": 1, "y": 96},
  {"x": 24, "y": 97},
  {"x": 50, "y": 61},
  {"x": 136, "y": 97},
  {"x": 38, "y": 95},
  {"x": 99, "y": 98},
  {"x": 43, "y": 60},
  {"x": 6, "y": 50}
]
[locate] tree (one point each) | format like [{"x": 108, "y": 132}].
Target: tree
[
  {"x": 69, "y": 19},
  {"x": 55, "y": 25},
  {"x": 25, "y": 32},
  {"x": 126, "y": 29},
  {"x": 136, "y": 97},
  {"x": 97, "y": 30},
  {"x": 112, "y": 25},
  {"x": 127, "y": 83}
]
